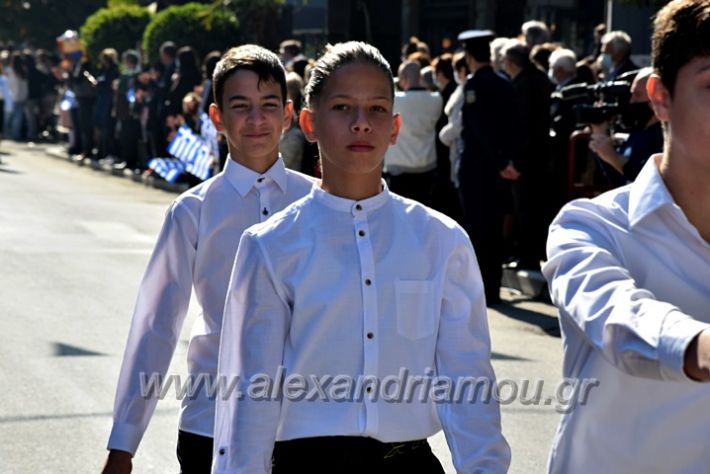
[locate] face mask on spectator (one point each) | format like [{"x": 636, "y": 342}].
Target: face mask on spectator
[{"x": 607, "y": 63}]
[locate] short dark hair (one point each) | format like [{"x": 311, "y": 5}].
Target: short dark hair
[
  {"x": 681, "y": 33},
  {"x": 444, "y": 64},
  {"x": 291, "y": 46},
  {"x": 248, "y": 57},
  {"x": 479, "y": 49},
  {"x": 342, "y": 54},
  {"x": 169, "y": 49}
]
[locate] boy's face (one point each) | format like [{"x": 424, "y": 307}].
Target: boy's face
[
  {"x": 252, "y": 117},
  {"x": 687, "y": 112},
  {"x": 353, "y": 120}
]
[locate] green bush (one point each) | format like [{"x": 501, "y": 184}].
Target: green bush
[
  {"x": 204, "y": 27},
  {"x": 120, "y": 27}
]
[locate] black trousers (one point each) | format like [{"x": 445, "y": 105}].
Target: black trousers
[
  {"x": 353, "y": 455},
  {"x": 194, "y": 453}
]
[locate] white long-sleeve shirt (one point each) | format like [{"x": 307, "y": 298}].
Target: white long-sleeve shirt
[
  {"x": 341, "y": 288},
  {"x": 631, "y": 277},
  {"x": 195, "y": 248}
]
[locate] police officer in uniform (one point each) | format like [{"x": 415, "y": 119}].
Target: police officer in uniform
[{"x": 490, "y": 158}]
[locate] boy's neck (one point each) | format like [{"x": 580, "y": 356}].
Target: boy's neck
[
  {"x": 690, "y": 187},
  {"x": 258, "y": 164},
  {"x": 352, "y": 186}
]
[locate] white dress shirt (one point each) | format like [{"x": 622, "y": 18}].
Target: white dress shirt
[
  {"x": 415, "y": 150},
  {"x": 195, "y": 248},
  {"x": 631, "y": 277},
  {"x": 348, "y": 288}
]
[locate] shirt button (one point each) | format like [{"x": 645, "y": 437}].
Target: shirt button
[
  {"x": 368, "y": 389},
  {"x": 221, "y": 451},
  {"x": 370, "y": 335},
  {"x": 265, "y": 212},
  {"x": 361, "y": 233},
  {"x": 358, "y": 207},
  {"x": 368, "y": 282},
  {"x": 260, "y": 180}
]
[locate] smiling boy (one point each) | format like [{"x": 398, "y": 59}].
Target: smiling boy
[{"x": 195, "y": 250}]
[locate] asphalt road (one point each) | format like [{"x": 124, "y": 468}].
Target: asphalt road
[{"x": 73, "y": 246}]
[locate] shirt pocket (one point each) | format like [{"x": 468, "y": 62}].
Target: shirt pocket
[{"x": 415, "y": 308}]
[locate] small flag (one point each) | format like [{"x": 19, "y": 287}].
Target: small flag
[{"x": 168, "y": 168}]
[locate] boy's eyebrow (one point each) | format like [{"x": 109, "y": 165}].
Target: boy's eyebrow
[
  {"x": 265, "y": 97},
  {"x": 705, "y": 67}
]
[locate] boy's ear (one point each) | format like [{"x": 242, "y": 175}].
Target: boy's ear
[
  {"x": 659, "y": 96},
  {"x": 396, "y": 124},
  {"x": 305, "y": 121},
  {"x": 216, "y": 117},
  {"x": 288, "y": 115}
]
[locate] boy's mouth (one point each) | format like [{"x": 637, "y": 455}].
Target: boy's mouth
[{"x": 360, "y": 146}]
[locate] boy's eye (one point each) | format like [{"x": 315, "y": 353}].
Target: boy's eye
[
  {"x": 239, "y": 106},
  {"x": 341, "y": 107},
  {"x": 271, "y": 105},
  {"x": 379, "y": 108}
]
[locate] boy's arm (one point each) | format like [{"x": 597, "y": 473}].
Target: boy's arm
[
  {"x": 254, "y": 330},
  {"x": 590, "y": 285},
  {"x": 472, "y": 426},
  {"x": 160, "y": 310}
]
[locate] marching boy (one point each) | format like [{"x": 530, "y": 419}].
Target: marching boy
[{"x": 195, "y": 250}]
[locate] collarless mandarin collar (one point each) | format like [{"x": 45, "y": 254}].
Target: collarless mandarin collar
[
  {"x": 648, "y": 192},
  {"x": 349, "y": 205},
  {"x": 244, "y": 179}
]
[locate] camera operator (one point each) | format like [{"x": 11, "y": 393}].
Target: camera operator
[{"x": 645, "y": 137}]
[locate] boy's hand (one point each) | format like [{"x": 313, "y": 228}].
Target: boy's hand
[
  {"x": 697, "y": 357},
  {"x": 118, "y": 462}
]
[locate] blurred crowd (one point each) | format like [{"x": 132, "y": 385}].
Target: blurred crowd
[{"x": 583, "y": 122}]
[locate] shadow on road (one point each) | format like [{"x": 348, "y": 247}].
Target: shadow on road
[{"x": 549, "y": 324}]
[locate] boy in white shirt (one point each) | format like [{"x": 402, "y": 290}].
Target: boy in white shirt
[
  {"x": 196, "y": 249},
  {"x": 349, "y": 287},
  {"x": 630, "y": 272}
]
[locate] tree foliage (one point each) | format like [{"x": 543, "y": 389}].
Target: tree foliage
[
  {"x": 120, "y": 27},
  {"x": 259, "y": 20},
  {"x": 204, "y": 27}
]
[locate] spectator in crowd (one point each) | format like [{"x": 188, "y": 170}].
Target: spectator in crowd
[
  {"x": 35, "y": 86},
  {"x": 128, "y": 113},
  {"x": 450, "y": 134},
  {"x": 562, "y": 69},
  {"x": 415, "y": 45},
  {"x": 629, "y": 270},
  {"x": 616, "y": 57},
  {"x": 104, "y": 121},
  {"x": 535, "y": 32},
  {"x": 82, "y": 82},
  {"x": 445, "y": 197},
  {"x": 497, "y": 56},
  {"x": 531, "y": 192},
  {"x": 161, "y": 91},
  {"x": 410, "y": 164},
  {"x": 48, "y": 65},
  {"x": 291, "y": 52},
  {"x": 6, "y": 91},
  {"x": 208, "y": 65},
  {"x": 645, "y": 138},
  {"x": 4, "y": 96},
  {"x": 293, "y": 142},
  {"x": 540, "y": 54},
  {"x": 426, "y": 78},
  {"x": 187, "y": 77},
  {"x": 420, "y": 57},
  {"x": 18, "y": 85},
  {"x": 490, "y": 158}
]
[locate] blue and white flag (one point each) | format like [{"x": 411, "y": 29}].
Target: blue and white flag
[
  {"x": 193, "y": 151},
  {"x": 168, "y": 168},
  {"x": 209, "y": 133}
]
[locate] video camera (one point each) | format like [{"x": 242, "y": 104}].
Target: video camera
[{"x": 598, "y": 103}]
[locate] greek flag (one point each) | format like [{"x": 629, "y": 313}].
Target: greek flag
[
  {"x": 168, "y": 168},
  {"x": 209, "y": 133},
  {"x": 193, "y": 151}
]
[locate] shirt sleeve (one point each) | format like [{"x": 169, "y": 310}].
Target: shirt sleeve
[
  {"x": 472, "y": 426},
  {"x": 161, "y": 306},
  {"x": 595, "y": 292},
  {"x": 256, "y": 319}
]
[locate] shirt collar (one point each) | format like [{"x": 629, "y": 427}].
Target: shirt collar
[
  {"x": 348, "y": 205},
  {"x": 648, "y": 192},
  {"x": 244, "y": 179}
]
